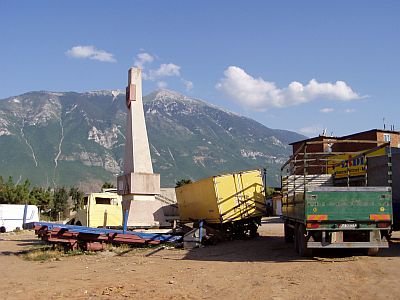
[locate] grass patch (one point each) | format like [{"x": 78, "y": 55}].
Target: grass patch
[
  {"x": 41, "y": 253},
  {"x": 79, "y": 252},
  {"x": 49, "y": 253},
  {"x": 123, "y": 249}
]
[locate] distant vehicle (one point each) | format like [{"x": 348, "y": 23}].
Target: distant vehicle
[
  {"x": 12, "y": 216},
  {"x": 100, "y": 210}
]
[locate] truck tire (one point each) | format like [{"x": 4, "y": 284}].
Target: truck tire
[
  {"x": 386, "y": 234},
  {"x": 296, "y": 238},
  {"x": 302, "y": 240},
  {"x": 288, "y": 232},
  {"x": 253, "y": 230},
  {"x": 372, "y": 251}
]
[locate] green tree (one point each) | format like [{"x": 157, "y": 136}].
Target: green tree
[
  {"x": 60, "y": 202},
  {"x": 41, "y": 197},
  {"x": 9, "y": 196},
  {"x": 269, "y": 191},
  {"x": 11, "y": 193},
  {"x": 107, "y": 185},
  {"x": 77, "y": 197},
  {"x": 1, "y": 190},
  {"x": 22, "y": 191},
  {"x": 183, "y": 182}
]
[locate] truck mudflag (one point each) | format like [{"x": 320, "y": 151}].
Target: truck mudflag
[{"x": 138, "y": 185}]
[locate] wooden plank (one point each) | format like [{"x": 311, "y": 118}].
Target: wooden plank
[
  {"x": 295, "y": 183},
  {"x": 350, "y": 189}
]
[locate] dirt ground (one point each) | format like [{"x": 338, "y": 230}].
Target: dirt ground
[{"x": 262, "y": 268}]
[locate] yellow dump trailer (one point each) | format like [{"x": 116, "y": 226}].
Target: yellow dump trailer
[{"x": 230, "y": 202}]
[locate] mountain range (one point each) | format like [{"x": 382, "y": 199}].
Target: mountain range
[{"x": 69, "y": 138}]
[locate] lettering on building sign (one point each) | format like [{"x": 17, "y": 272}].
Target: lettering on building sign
[{"x": 353, "y": 162}]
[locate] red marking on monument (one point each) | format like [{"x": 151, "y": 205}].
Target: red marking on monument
[{"x": 130, "y": 94}]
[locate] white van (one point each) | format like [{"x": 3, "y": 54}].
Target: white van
[{"x": 12, "y": 215}]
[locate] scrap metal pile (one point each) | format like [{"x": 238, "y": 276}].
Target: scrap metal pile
[{"x": 95, "y": 239}]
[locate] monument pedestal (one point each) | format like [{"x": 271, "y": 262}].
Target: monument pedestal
[
  {"x": 138, "y": 190},
  {"x": 144, "y": 211},
  {"x": 139, "y": 184}
]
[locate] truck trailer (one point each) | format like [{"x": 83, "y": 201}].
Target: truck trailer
[
  {"x": 13, "y": 216},
  {"x": 232, "y": 204},
  {"x": 318, "y": 213}
]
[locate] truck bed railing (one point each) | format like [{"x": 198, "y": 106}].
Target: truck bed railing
[{"x": 295, "y": 173}]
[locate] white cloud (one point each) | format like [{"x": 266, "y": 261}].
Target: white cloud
[
  {"x": 349, "y": 110},
  {"x": 311, "y": 130},
  {"x": 159, "y": 74},
  {"x": 188, "y": 84},
  {"x": 326, "y": 110},
  {"x": 165, "y": 70},
  {"x": 90, "y": 52},
  {"x": 143, "y": 58},
  {"x": 256, "y": 93},
  {"x": 162, "y": 84}
]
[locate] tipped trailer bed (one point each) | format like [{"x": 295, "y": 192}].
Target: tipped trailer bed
[
  {"x": 231, "y": 204},
  {"x": 319, "y": 214}
]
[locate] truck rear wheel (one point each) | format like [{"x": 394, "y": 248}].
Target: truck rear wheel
[
  {"x": 296, "y": 238},
  {"x": 288, "y": 232},
  {"x": 302, "y": 241}
]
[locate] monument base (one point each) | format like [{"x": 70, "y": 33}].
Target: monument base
[
  {"x": 144, "y": 211},
  {"x": 138, "y": 184}
]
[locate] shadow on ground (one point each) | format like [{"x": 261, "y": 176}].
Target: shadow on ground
[
  {"x": 21, "y": 246},
  {"x": 272, "y": 248}
]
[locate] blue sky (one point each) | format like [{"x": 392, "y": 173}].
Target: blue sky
[{"x": 296, "y": 65}]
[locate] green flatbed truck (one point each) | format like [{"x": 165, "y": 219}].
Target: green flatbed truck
[{"x": 318, "y": 214}]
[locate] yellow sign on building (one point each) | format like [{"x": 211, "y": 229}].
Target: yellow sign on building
[{"x": 344, "y": 164}]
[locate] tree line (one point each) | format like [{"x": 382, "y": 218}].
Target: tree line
[{"x": 51, "y": 201}]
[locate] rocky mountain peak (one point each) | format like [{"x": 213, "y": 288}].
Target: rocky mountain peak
[
  {"x": 70, "y": 138},
  {"x": 112, "y": 93},
  {"x": 166, "y": 95}
]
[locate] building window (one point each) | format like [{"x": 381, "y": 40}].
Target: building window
[{"x": 386, "y": 137}]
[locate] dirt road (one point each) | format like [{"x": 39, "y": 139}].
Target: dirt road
[{"x": 263, "y": 268}]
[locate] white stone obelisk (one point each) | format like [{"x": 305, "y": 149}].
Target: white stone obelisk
[{"x": 139, "y": 185}]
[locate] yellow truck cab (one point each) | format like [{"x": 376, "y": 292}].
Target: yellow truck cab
[{"x": 100, "y": 210}]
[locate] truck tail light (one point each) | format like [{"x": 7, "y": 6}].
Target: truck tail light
[
  {"x": 312, "y": 225},
  {"x": 383, "y": 225},
  {"x": 379, "y": 217}
]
